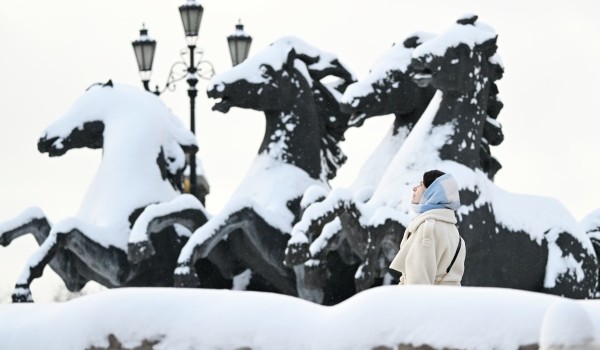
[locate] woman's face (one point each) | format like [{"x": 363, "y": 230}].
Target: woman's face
[{"x": 417, "y": 193}]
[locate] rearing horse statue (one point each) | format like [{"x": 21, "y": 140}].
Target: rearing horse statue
[
  {"x": 519, "y": 248},
  {"x": 300, "y": 149},
  {"x": 515, "y": 241},
  {"x": 387, "y": 89},
  {"x": 134, "y": 197}
]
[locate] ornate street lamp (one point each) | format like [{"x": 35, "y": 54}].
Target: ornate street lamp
[
  {"x": 144, "y": 48},
  {"x": 191, "y": 16},
  {"x": 239, "y": 44}
]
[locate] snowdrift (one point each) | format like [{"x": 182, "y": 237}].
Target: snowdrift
[{"x": 383, "y": 317}]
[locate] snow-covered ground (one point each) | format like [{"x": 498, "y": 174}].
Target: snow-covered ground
[{"x": 441, "y": 317}]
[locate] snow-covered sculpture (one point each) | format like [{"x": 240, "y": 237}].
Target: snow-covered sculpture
[
  {"x": 335, "y": 222},
  {"x": 304, "y": 125},
  {"x": 516, "y": 241},
  {"x": 134, "y": 198},
  {"x": 387, "y": 89}
]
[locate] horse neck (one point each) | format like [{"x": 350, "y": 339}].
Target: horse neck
[
  {"x": 129, "y": 162},
  {"x": 293, "y": 136},
  {"x": 404, "y": 122},
  {"x": 467, "y": 112},
  {"x": 122, "y": 148}
]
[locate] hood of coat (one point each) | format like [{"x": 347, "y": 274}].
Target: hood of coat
[
  {"x": 442, "y": 193},
  {"x": 445, "y": 215}
]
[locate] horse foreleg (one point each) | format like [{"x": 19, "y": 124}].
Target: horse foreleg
[
  {"x": 261, "y": 247},
  {"x": 330, "y": 239},
  {"x": 313, "y": 219},
  {"x": 34, "y": 221},
  {"x": 312, "y": 275},
  {"x": 184, "y": 210},
  {"x": 199, "y": 246},
  {"x": 365, "y": 274},
  {"x": 316, "y": 295},
  {"x": 31, "y": 220},
  {"x": 35, "y": 267}
]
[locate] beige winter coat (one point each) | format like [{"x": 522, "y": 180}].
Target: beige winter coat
[{"x": 427, "y": 248}]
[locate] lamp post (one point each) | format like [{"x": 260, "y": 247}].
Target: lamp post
[
  {"x": 239, "y": 44},
  {"x": 144, "y": 48}
]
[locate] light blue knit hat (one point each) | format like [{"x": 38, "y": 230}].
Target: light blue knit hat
[{"x": 442, "y": 193}]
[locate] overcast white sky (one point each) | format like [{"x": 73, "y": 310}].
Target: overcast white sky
[{"x": 53, "y": 50}]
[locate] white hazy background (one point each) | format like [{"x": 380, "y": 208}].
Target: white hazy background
[{"x": 51, "y": 51}]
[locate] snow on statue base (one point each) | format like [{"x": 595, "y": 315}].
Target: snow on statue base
[{"x": 133, "y": 220}]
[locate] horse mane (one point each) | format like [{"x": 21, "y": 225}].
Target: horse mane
[
  {"x": 336, "y": 124},
  {"x": 327, "y": 100},
  {"x": 492, "y": 130},
  {"x": 336, "y": 121}
]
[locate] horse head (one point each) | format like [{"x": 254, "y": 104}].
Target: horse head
[
  {"x": 264, "y": 81},
  {"x": 57, "y": 140},
  {"x": 464, "y": 65},
  {"x": 389, "y": 87},
  {"x": 286, "y": 82},
  {"x": 131, "y": 125},
  {"x": 461, "y": 60}
]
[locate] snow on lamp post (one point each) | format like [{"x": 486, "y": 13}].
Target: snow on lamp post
[
  {"x": 144, "y": 48},
  {"x": 239, "y": 44}
]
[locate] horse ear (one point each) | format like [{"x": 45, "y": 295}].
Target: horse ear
[
  {"x": 336, "y": 69},
  {"x": 292, "y": 55},
  {"x": 108, "y": 83},
  {"x": 490, "y": 46},
  {"x": 412, "y": 42},
  {"x": 467, "y": 19}
]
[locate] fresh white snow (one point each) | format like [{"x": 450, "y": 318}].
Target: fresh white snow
[{"x": 438, "y": 316}]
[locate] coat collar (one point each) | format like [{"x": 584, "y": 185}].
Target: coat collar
[{"x": 446, "y": 215}]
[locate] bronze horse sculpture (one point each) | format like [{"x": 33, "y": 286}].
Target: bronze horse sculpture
[
  {"x": 140, "y": 174},
  {"x": 387, "y": 89},
  {"x": 300, "y": 149},
  {"x": 506, "y": 247}
]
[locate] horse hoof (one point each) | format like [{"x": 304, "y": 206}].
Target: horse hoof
[
  {"x": 185, "y": 278},
  {"x": 22, "y": 294},
  {"x": 139, "y": 251},
  {"x": 315, "y": 274},
  {"x": 296, "y": 254}
]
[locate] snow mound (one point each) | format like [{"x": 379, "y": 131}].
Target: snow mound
[{"x": 437, "y": 316}]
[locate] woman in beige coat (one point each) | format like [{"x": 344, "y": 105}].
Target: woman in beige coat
[{"x": 432, "y": 251}]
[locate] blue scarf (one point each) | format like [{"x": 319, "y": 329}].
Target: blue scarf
[{"x": 442, "y": 193}]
